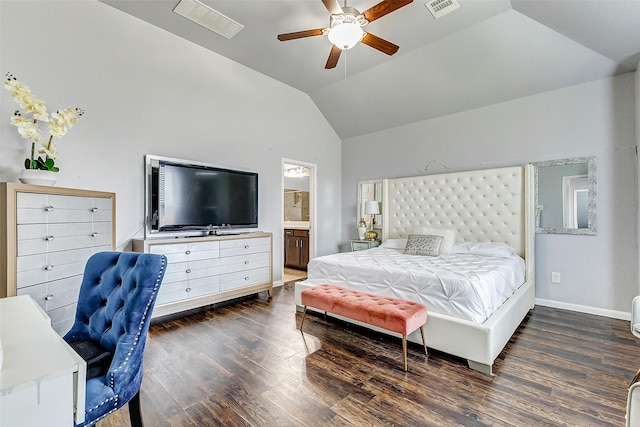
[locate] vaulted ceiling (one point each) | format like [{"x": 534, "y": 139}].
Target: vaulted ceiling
[{"x": 485, "y": 52}]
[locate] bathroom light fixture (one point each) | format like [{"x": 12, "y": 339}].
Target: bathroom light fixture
[{"x": 297, "y": 172}]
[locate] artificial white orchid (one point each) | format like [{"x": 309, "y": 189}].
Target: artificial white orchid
[
  {"x": 62, "y": 120},
  {"x": 33, "y": 110},
  {"x": 27, "y": 128}
]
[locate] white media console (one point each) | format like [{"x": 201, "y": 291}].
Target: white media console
[{"x": 210, "y": 269}]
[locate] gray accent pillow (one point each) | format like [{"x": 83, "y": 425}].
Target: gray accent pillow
[
  {"x": 423, "y": 244},
  {"x": 448, "y": 234}
]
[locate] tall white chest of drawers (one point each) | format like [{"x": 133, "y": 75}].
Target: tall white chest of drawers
[
  {"x": 206, "y": 270},
  {"x": 47, "y": 234}
]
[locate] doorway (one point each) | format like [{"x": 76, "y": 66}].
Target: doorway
[
  {"x": 298, "y": 218},
  {"x": 575, "y": 201}
]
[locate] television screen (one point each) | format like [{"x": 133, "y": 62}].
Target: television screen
[{"x": 190, "y": 196}]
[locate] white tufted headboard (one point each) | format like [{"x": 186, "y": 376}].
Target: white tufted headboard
[{"x": 483, "y": 205}]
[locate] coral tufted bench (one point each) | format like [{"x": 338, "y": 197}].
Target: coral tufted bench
[{"x": 392, "y": 314}]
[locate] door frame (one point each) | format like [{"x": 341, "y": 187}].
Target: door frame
[{"x": 313, "y": 213}]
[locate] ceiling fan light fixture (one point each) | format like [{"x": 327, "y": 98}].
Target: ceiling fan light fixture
[
  {"x": 345, "y": 28},
  {"x": 345, "y": 35}
]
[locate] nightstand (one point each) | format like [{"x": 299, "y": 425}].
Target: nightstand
[{"x": 361, "y": 245}]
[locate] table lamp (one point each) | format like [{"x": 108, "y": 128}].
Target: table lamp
[{"x": 371, "y": 208}]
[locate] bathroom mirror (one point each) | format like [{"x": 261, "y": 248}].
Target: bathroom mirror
[
  {"x": 297, "y": 196},
  {"x": 566, "y": 196},
  {"x": 369, "y": 190}
]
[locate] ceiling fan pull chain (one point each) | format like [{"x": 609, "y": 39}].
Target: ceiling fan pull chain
[{"x": 345, "y": 88}]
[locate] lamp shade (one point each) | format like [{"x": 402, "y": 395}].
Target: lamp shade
[
  {"x": 372, "y": 208},
  {"x": 345, "y": 35}
]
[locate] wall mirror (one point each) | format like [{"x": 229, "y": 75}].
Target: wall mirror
[
  {"x": 368, "y": 191},
  {"x": 566, "y": 196}
]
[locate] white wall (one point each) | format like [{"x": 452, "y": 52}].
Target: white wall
[
  {"x": 599, "y": 273},
  {"x": 147, "y": 91}
]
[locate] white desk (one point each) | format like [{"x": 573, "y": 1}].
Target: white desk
[{"x": 42, "y": 380}]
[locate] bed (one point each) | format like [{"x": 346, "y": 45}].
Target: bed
[{"x": 482, "y": 208}]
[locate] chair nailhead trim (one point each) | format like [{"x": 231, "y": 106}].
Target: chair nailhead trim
[
  {"x": 94, "y": 422},
  {"x": 103, "y": 403},
  {"x": 144, "y": 316}
]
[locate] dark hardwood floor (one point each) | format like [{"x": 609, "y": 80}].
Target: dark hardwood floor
[{"x": 246, "y": 364}]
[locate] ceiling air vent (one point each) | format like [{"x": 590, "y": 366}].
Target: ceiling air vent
[
  {"x": 439, "y": 8},
  {"x": 208, "y": 18}
]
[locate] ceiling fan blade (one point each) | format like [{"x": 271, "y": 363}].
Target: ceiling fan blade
[
  {"x": 332, "y": 6},
  {"x": 334, "y": 55},
  {"x": 381, "y": 44},
  {"x": 300, "y": 34},
  {"x": 383, "y": 8}
]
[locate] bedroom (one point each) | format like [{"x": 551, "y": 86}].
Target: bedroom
[{"x": 135, "y": 82}]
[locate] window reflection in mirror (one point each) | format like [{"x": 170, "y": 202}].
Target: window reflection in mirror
[
  {"x": 566, "y": 196},
  {"x": 296, "y": 205}
]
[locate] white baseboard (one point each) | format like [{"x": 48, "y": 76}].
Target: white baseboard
[{"x": 584, "y": 309}]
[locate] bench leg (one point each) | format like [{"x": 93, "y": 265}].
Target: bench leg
[
  {"x": 424, "y": 342},
  {"x": 404, "y": 351},
  {"x": 304, "y": 313}
]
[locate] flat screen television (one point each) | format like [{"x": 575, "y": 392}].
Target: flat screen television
[{"x": 186, "y": 196}]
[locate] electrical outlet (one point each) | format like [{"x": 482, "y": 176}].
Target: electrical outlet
[{"x": 555, "y": 277}]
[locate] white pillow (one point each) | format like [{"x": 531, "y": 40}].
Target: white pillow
[
  {"x": 484, "y": 249},
  {"x": 448, "y": 234},
  {"x": 394, "y": 244}
]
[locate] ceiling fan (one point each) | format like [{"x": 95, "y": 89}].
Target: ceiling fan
[{"x": 345, "y": 28}]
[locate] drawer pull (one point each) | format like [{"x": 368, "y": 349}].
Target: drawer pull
[
  {"x": 188, "y": 271},
  {"x": 48, "y": 297},
  {"x": 48, "y": 267},
  {"x": 94, "y": 209},
  {"x": 49, "y": 238},
  {"x": 246, "y": 278},
  {"x": 246, "y": 246},
  {"x": 187, "y": 252},
  {"x": 246, "y": 262},
  {"x": 188, "y": 289},
  {"x": 48, "y": 208},
  {"x": 94, "y": 234}
]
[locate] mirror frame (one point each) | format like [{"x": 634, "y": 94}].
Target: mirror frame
[
  {"x": 359, "y": 214},
  {"x": 591, "y": 230}
]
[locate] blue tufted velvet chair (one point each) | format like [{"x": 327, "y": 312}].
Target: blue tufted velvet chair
[{"x": 117, "y": 295}]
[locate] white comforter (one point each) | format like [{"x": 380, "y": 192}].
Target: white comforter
[{"x": 466, "y": 286}]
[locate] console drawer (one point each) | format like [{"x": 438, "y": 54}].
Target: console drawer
[{"x": 244, "y": 278}]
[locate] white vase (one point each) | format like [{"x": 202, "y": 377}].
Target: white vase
[
  {"x": 362, "y": 228},
  {"x": 38, "y": 177},
  {"x": 361, "y": 231}
]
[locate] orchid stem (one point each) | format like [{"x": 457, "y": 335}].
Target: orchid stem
[{"x": 33, "y": 148}]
